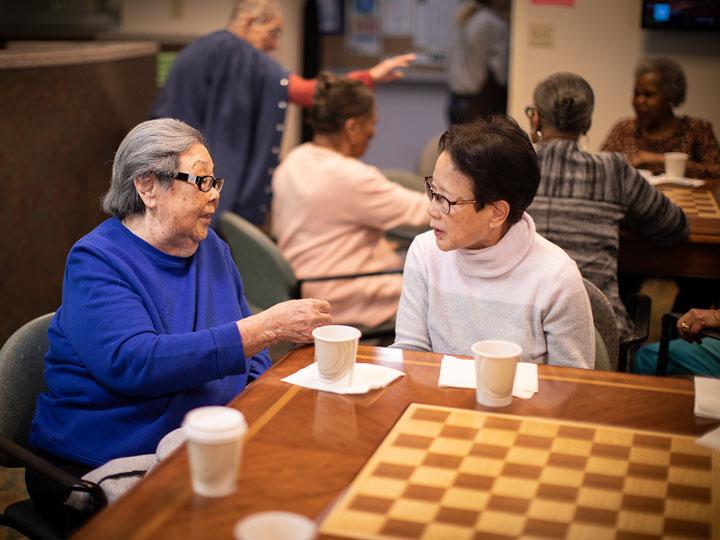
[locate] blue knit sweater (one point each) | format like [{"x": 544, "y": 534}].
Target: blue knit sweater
[{"x": 141, "y": 338}]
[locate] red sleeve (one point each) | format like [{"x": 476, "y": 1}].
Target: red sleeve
[
  {"x": 363, "y": 76},
  {"x": 300, "y": 90}
]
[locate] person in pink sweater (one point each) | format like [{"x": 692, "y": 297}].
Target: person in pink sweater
[{"x": 330, "y": 210}]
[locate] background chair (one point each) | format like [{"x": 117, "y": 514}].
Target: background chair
[
  {"x": 606, "y": 353},
  {"x": 428, "y": 156},
  {"x": 619, "y": 350},
  {"x": 669, "y": 332},
  {"x": 638, "y": 307},
  {"x": 268, "y": 277},
  {"x": 403, "y": 236},
  {"x": 21, "y": 380}
]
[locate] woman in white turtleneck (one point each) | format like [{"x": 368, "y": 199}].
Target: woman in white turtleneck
[{"x": 483, "y": 272}]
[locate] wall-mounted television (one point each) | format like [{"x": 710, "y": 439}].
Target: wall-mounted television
[{"x": 681, "y": 14}]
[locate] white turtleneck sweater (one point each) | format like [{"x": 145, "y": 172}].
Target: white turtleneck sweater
[{"x": 523, "y": 289}]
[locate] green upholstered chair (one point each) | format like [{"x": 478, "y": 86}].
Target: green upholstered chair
[{"x": 22, "y": 378}]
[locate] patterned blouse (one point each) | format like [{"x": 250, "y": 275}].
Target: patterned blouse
[{"x": 693, "y": 136}]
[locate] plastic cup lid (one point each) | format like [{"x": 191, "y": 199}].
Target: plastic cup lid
[{"x": 214, "y": 424}]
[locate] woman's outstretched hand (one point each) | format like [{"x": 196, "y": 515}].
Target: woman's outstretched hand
[{"x": 390, "y": 69}]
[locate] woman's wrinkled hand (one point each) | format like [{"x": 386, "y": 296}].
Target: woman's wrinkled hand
[
  {"x": 295, "y": 320},
  {"x": 390, "y": 68},
  {"x": 694, "y": 321}
]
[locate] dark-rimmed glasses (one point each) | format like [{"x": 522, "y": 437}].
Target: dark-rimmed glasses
[
  {"x": 443, "y": 202},
  {"x": 204, "y": 183}
]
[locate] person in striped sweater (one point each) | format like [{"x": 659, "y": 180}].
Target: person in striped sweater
[{"x": 583, "y": 198}]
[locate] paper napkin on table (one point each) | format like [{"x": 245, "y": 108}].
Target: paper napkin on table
[
  {"x": 460, "y": 373},
  {"x": 707, "y": 397},
  {"x": 711, "y": 439},
  {"x": 366, "y": 377},
  {"x": 688, "y": 182}
]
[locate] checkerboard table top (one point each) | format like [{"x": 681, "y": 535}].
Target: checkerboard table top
[
  {"x": 700, "y": 207},
  {"x": 464, "y": 474},
  {"x": 697, "y": 202}
]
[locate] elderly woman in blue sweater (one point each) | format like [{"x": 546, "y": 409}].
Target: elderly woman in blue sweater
[{"x": 153, "y": 320}]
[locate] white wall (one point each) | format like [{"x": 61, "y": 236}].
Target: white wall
[
  {"x": 602, "y": 41},
  {"x": 194, "y": 18}
]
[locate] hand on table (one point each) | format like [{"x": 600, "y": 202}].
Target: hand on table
[
  {"x": 389, "y": 69},
  {"x": 695, "y": 320},
  {"x": 644, "y": 157}
]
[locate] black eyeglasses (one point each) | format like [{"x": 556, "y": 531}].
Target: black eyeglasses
[
  {"x": 204, "y": 183},
  {"x": 442, "y": 201},
  {"x": 530, "y": 111}
]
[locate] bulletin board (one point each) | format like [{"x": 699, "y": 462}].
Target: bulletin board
[{"x": 359, "y": 33}]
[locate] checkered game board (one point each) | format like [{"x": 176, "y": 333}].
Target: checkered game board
[
  {"x": 462, "y": 474},
  {"x": 700, "y": 207}
]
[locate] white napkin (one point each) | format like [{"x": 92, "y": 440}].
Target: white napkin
[
  {"x": 365, "y": 377},
  {"x": 662, "y": 179},
  {"x": 707, "y": 397},
  {"x": 711, "y": 439},
  {"x": 460, "y": 373}
]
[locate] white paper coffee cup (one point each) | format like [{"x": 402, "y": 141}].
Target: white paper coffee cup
[
  {"x": 495, "y": 363},
  {"x": 335, "y": 352},
  {"x": 214, "y": 436},
  {"x": 275, "y": 526},
  {"x": 675, "y": 163}
]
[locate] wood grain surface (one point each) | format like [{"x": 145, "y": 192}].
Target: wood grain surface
[{"x": 305, "y": 447}]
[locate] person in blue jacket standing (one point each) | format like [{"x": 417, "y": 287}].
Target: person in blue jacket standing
[{"x": 226, "y": 85}]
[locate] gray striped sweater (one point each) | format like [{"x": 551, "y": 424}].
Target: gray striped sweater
[{"x": 582, "y": 201}]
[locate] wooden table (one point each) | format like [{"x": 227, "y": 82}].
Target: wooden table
[
  {"x": 698, "y": 256},
  {"x": 305, "y": 447}
]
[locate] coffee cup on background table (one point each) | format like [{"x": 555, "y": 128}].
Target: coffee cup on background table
[
  {"x": 495, "y": 363},
  {"x": 215, "y": 438},
  {"x": 335, "y": 353},
  {"x": 675, "y": 163}
]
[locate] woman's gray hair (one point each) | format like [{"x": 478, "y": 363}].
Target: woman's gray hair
[
  {"x": 672, "y": 79},
  {"x": 262, "y": 10},
  {"x": 565, "y": 101},
  {"x": 153, "y": 147}
]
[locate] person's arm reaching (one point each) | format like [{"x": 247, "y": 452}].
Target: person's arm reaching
[
  {"x": 291, "y": 321},
  {"x": 301, "y": 90},
  {"x": 111, "y": 329}
]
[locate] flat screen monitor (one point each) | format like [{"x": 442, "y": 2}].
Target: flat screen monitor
[{"x": 681, "y": 14}]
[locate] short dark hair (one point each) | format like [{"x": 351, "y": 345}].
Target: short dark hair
[
  {"x": 498, "y": 158},
  {"x": 672, "y": 79},
  {"x": 336, "y": 100}
]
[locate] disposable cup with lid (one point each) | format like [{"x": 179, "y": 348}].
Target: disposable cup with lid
[{"x": 214, "y": 425}]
